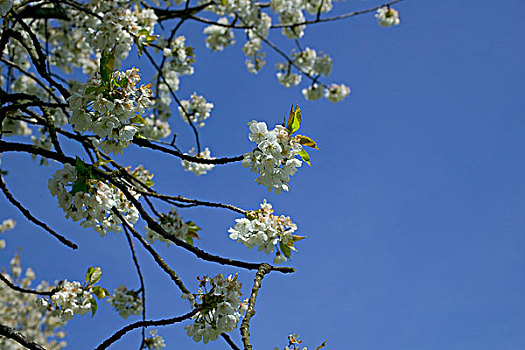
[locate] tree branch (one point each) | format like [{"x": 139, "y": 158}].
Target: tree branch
[
  {"x": 245, "y": 325},
  {"x": 31, "y": 218},
  {"x": 21, "y": 339}
]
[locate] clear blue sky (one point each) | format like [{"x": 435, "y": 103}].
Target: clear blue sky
[{"x": 414, "y": 207}]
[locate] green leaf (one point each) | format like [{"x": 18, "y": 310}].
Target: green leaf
[
  {"x": 306, "y": 141},
  {"x": 285, "y": 250},
  {"x": 296, "y": 238},
  {"x": 107, "y": 64},
  {"x": 79, "y": 186},
  {"x": 80, "y": 166},
  {"x": 305, "y": 156},
  {"x": 137, "y": 120},
  {"x": 294, "y": 119},
  {"x": 97, "y": 89},
  {"x": 99, "y": 292},
  {"x": 121, "y": 83},
  {"x": 93, "y": 275},
  {"x": 93, "y": 306},
  {"x": 149, "y": 182}
]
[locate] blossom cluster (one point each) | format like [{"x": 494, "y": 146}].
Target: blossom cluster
[
  {"x": 6, "y": 225},
  {"x": 126, "y": 302},
  {"x": 261, "y": 229},
  {"x": 175, "y": 227},
  {"x": 195, "y": 109},
  {"x": 111, "y": 111},
  {"x": 387, "y": 16},
  {"x": 155, "y": 342},
  {"x": 70, "y": 299},
  {"x": 179, "y": 59},
  {"x": 90, "y": 200},
  {"x": 274, "y": 158},
  {"x": 198, "y": 168},
  {"x": 219, "y": 307},
  {"x": 21, "y": 312}
]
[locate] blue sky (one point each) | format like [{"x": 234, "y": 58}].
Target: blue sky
[{"x": 413, "y": 208}]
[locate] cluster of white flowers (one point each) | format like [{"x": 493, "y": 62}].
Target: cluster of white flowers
[
  {"x": 71, "y": 299},
  {"x": 290, "y": 12},
  {"x": 274, "y": 158},
  {"x": 286, "y": 77},
  {"x": 174, "y": 226},
  {"x": 112, "y": 114},
  {"x": 12, "y": 127},
  {"x": 336, "y": 93},
  {"x": 198, "y": 168},
  {"x": 387, "y": 16},
  {"x": 120, "y": 27},
  {"x": 6, "y": 225},
  {"x": 261, "y": 229},
  {"x": 5, "y": 6},
  {"x": 91, "y": 200},
  {"x": 126, "y": 302},
  {"x": 21, "y": 312},
  {"x": 196, "y": 109},
  {"x": 155, "y": 342},
  {"x": 313, "y": 63},
  {"x": 220, "y": 307},
  {"x": 219, "y": 36},
  {"x": 155, "y": 129},
  {"x": 179, "y": 59}
]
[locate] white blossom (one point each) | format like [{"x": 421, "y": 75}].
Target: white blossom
[
  {"x": 220, "y": 308},
  {"x": 198, "y": 168},
  {"x": 196, "y": 109},
  {"x": 337, "y": 93},
  {"x": 387, "y": 16},
  {"x": 274, "y": 158},
  {"x": 268, "y": 232},
  {"x": 126, "y": 302}
]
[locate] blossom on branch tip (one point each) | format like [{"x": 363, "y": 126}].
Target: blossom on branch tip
[
  {"x": 219, "y": 307},
  {"x": 268, "y": 232},
  {"x": 387, "y": 16}
]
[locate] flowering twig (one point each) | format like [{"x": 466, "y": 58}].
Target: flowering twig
[
  {"x": 245, "y": 325},
  {"x": 174, "y": 277},
  {"x": 164, "y": 322},
  {"x": 24, "y": 290}
]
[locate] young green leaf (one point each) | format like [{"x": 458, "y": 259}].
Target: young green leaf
[
  {"x": 93, "y": 275},
  {"x": 306, "y": 141},
  {"x": 99, "y": 292},
  {"x": 93, "y": 306},
  {"x": 296, "y": 123},
  {"x": 306, "y": 157},
  {"x": 107, "y": 65},
  {"x": 285, "y": 249}
]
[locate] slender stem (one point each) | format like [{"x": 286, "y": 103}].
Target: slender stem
[
  {"x": 245, "y": 325},
  {"x": 165, "y": 322}
]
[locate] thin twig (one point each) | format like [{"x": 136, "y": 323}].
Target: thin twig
[
  {"x": 24, "y": 290},
  {"x": 31, "y": 218},
  {"x": 141, "y": 279},
  {"x": 165, "y": 322}
]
